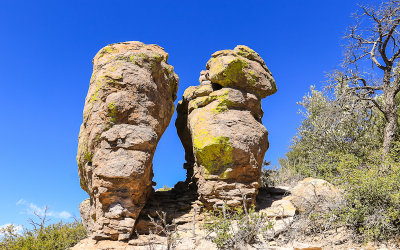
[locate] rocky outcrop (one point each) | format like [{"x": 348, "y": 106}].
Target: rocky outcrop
[
  {"x": 276, "y": 204},
  {"x": 128, "y": 107},
  {"x": 219, "y": 124}
]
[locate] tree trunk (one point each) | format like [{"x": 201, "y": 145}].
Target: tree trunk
[
  {"x": 390, "y": 133},
  {"x": 391, "y": 126}
]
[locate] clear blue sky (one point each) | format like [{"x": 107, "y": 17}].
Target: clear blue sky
[{"x": 46, "y": 64}]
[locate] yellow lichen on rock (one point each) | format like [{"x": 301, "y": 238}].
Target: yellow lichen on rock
[
  {"x": 241, "y": 68},
  {"x": 219, "y": 123}
]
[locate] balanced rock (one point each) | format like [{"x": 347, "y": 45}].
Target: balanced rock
[
  {"x": 219, "y": 124},
  {"x": 129, "y": 105}
]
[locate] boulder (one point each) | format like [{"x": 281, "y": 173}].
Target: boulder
[
  {"x": 241, "y": 68},
  {"x": 311, "y": 192},
  {"x": 129, "y": 105},
  {"x": 219, "y": 124},
  {"x": 280, "y": 209}
]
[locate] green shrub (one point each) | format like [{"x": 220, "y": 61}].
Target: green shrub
[
  {"x": 233, "y": 228},
  {"x": 280, "y": 176},
  {"x": 372, "y": 197},
  {"x": 55, "y": 236},
  {"x": 335, "y": 123}
]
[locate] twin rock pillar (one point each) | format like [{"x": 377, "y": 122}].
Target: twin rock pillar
[
  {"x": 130, "y": 104},
  {"x": 219, "y": 124},
  {"x": 128, "y": 107}
]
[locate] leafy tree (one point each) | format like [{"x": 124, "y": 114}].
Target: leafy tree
[
  {"x": 335, "y": 122},
  {"x": 371, "y": 65}
]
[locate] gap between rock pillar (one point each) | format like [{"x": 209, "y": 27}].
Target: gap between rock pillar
[
  {"x": 129, "y": 105},
  {"x": 219, "y": 124}
]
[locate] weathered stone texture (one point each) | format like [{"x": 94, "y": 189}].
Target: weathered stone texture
[
  {"x": 128, "y": 107},
  {"x": 219, "y": 124}
]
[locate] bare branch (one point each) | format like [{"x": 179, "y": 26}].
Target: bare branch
[
  {"x": 374, "y": 88},
  {"x": 388, "y": 37},
  {"x": 373, "y": 56},
  {"x": 376, "y": 104},
  {"x": 42, "y": 217}
]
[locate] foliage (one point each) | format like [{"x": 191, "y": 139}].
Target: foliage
[
  {"x": 371, "y": 63},
  {"x": 55, "y": 236},
  {"x": 340, "y": 140},
  {"x": 164, "y": 188},
  {"x": 233, "y": 228},
  {"x": 279, "y": 176},
  {"x": 334, "y": 123},
  {"x": 372, "y": 197},
  {"x": 370, "y": 205}
]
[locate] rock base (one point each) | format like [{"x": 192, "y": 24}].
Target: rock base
[{"x": 183, "y": 211}]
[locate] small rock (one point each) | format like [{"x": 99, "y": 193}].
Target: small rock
[{"x": 281, "y": 209}]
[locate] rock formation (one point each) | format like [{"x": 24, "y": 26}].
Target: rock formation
[
  {"x": 282, "y": 205},
  {"x": 219, "y": 124},
  {"x": 128, "y": 107}
]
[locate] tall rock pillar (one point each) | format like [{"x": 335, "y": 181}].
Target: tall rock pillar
[
  {"x": 219, "y": 124},
  {"x": 129, "y": 105}
]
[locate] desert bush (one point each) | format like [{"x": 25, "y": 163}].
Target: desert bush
[
  {"x": 372, "y": 197},
  {"x": 335, "y": 123},
  {"x": 162, "y": 227},
  {"x": 280, "y": 176},
  {"x": 370, "y": 205},
  {"x": 232, "y": 228},
  {"x": 55, "y": 236}
]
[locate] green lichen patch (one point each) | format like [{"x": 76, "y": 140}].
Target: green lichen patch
[
  {"x": 172, "y": 109},
  {"x": 214, "y": 153},
  {"x": 246, "y": 52},
  {"x": 93, "y": 217},
  {"x": 223, "y": 102},
  {"x": 97, "y": 139},
  {"x": 112, "y": 112},
  {"x": 227, "y": 70},
  {"x": 199, "y": 102},
  {"x": 96, "y": 93},
  {"x": 170, "y": 70},
  {"x": 252, "y": 77},
  {"x": 141, "y": 58},
  {"x": 137, "y": 59},
  {"x": 110, "y": 81},
  {"x": 87, "y": 155},
  {"x": 94, "y": 98},
  {"x": 82, "y": 177},
  {"x": 84, "y": 156},
  {"x": 113, "y": 74},
  {"x": 106, "y": 50},
  {"x": 86, "y": 115},
  {"x": 102, "y": 82}
]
